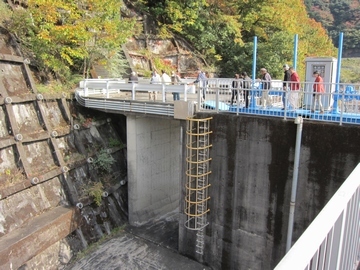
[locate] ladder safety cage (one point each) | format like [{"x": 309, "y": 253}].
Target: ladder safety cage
[{"x": 197, "y": 177}]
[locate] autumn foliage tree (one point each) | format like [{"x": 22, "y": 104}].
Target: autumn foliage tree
[{"x": 64, "y": 37}]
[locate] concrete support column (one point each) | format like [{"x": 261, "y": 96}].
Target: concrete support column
[{"x": 153, "y": 149}]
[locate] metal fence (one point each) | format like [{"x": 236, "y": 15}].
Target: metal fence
[
  {"x": 332, "y": 241},
  {"x": 340, "y": 102}
]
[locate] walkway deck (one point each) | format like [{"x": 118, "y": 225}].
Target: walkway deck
[{"x": 218, "y": 99}]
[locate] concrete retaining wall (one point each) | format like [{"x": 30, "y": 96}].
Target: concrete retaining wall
[{"x": 252, "y": 166}]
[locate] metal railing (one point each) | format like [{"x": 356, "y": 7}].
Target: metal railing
[
  {"x": 332, "y": 241},
  {"x": 341, "y": 102}
]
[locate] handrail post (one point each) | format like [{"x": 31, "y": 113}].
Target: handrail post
[
  {"x": 199, "y": 96},
  {"x": 252, "y": 96},
  {"x": 107, "y": 89},
  {"x": 86, "y": 90},
  {"x": 133, "y": 91},
  {"x": 237, "y": 102},
  {"x": 217, "y": 100},
  {"x": 163, "y": 93},
  {"x": 185, "y": 92},
  {"x": 342, "y": 108},
  {"x": 286, "y": 100}
]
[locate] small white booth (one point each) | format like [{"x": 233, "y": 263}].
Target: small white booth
[{"x": 327, "y": 67}]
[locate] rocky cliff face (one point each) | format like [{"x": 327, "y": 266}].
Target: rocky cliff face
[{"x": 62, "y": 171}]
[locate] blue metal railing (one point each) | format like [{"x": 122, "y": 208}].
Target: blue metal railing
[{"x": 221, "y": 97}]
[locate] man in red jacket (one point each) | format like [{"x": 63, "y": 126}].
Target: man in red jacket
[
  {"x": 294, "y": 89},
  {"x": 318, "y": 89}
]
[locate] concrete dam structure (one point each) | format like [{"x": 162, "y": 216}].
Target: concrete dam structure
[{"x": 69, "y": 175}]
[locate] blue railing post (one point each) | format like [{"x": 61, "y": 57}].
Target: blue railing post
[
  {"x": 252, "y": 92},
  {"x": 338, "y": 73},
  {"x": 296, "y": 40}
]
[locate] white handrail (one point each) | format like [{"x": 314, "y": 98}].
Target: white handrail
[{"x": 326, "y": 243}]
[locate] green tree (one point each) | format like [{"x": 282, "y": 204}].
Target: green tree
[{"x": 223, "y": 30}]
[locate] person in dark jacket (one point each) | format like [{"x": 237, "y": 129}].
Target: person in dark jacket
[
  {"x": 133, "y": 78},
  {"x": 236, "y": 85},
  {"x": 246, "y": 85},
  {"x": 286, "y": 80},
  {"x": 265, "y": 86}
]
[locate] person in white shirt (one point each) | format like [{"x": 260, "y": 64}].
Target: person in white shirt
[
  {"x": 165, "y": 79},
  {"x": 175, "y": 79},
  {"x": 155, "y": 79}
]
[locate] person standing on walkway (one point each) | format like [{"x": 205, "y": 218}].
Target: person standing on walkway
[
  {"x": 175, "y": 80},
  {"x": 236, "y": 85},
  {"x": 286, "y": 80},
  {"x": 165, "y": 79},
  {"x": 318, "y": 89},
  {"x": 202, "y": 80},
  {"x": 294, "y": 89},
  {"x": 133, "y": 78},
  {"x": 155, "y": 79},
  {"x": 246, "y": 85},
  {"x": 265, "y": 86}
]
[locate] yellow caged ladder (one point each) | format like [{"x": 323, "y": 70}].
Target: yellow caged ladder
[{"x": 197, "y": 173}]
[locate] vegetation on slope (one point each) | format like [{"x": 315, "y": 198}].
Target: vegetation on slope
[
  {"x": 65, "y": 37},
  {"x": 338, "y": 16},
  {"x": 223, "y": 31}
]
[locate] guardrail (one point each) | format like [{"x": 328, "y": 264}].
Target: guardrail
[
  {"x": 332, "y": 241},
  {"x": 108, "y": 86},
  {"x": 341, "y": 102}
]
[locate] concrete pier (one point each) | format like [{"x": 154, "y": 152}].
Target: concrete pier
[{"x": 154, "y": 159}]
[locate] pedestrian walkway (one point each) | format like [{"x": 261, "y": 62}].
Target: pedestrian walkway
[{"x": 117, "y": 96}]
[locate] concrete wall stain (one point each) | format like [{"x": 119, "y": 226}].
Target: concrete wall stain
[{"x": 252, "y": 171}]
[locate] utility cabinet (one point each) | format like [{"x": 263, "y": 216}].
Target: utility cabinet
[{"x": 327, "y": 67}]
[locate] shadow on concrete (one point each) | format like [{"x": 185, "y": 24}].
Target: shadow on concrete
[{"x": 151, "y": 246}]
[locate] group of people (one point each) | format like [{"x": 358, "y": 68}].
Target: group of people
[
  {"x": 242, "y": 84},
  {"x": 291, "y": 85},
  {"x": 156, "y": 78},
  {"x": 165, "y": 79}
]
